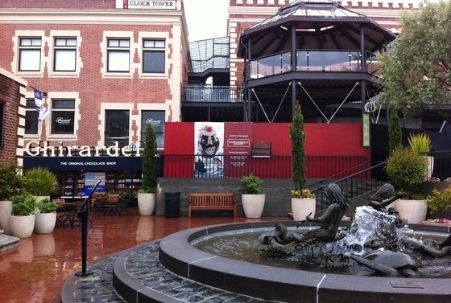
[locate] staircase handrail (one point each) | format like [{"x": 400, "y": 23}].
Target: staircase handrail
[{"x": 321, "y": 183}]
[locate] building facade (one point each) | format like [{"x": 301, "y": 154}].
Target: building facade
[
  {"x": 106, "y": 68},
  {"x": 109, "y": 67},
  {"x": 245, "y": 13},
  {"x": 12, "y": 122}
]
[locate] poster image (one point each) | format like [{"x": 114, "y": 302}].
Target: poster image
[{"x": 209, "y": 149}]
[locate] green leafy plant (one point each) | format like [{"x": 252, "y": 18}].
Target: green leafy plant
[
  {"x": 11, "y": 181},
  {"x": 23, "y": 204},
  {"x": 420, "y": 143},
  {"x": 439, "y": 201},
  {"x": 39, "y": 181},
  {"x": 46, "y": 206},
  {"x": 297, "y": 137},
  {"x": 251, "y": 185},
  {"x": 406, "y": 170},
  {"x": 149, "y": 165}
]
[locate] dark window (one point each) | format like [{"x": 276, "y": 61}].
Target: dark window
[
  {"x": 63, "y": 114},
  {"x": 154, "y": 56},
  {"x": 31, "y": 118},
  {"x": 156, "y": 118},
  {"x": 118, "y": 55},
  {"x": 30, "y": 54},
  {"x": 117, "y": 127}
]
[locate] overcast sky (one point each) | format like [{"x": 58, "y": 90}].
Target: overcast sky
[{"x": 206, "y": 18}]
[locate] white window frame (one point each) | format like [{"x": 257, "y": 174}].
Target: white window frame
[
  {"x": 34, "y": 45},
  {"x": 118, "y": 46},
  {"x": 52, "y": 115},
  {"x": 150, "y": 45},
  {"x": 31, "y": 109},
  {"x": 65, "y": 45},
  {"x": 48, "y": 123},
  {"x": 168, "y": 62}
]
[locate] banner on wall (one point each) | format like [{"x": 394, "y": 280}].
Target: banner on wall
[
  {"x": 208, "y": 149},
  {"x": 237, "y": 147}
]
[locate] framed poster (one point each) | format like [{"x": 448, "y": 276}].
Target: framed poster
[{"x": 209, "y": 149}]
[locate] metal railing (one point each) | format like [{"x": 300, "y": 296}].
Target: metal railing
[
  {"x": 197, "y": 93},
  {"x": 308, "y": 61},
  {"x": 356, "y": 187},
  {"x": 277, "y": 167}
]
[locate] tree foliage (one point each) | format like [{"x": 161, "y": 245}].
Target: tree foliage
[
  {"x": 416, "y": 74},
  {"x": 149, "y": 165},
  {"x": 297, "y": 148}
]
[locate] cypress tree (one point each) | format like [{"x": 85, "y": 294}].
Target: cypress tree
[
  {"x": 297, "y": 148},
  {"x": 394, "y": 129},
  {"x": 149, "y": 166}
]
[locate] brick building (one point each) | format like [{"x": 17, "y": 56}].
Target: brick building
[
  {"x": 12, "y": 102},
  {"x": 108, "y": 67}
]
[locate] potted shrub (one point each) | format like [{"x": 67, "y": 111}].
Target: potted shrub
[
  {"x": 406, "y": 170},
  {"x": 146, "y": 195},
  {"x": 10, "y": 183},
  {"x": 45, "y": 216},
  {"x": 439, "y": 202},
  {"x": 22, "y": 217},
  {"x": 421, "y": 144},
  {"x": 252, "y": 196},
  {"x": 303, "y": 201},
  {"x": 40, "y": 182}
]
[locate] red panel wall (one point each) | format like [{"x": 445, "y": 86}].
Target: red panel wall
[
  {"x": 331, "y": 150},
  {"x": 334, "y": 140},
  {"x": 179, "y": 149},
  {"x": 276, "y": 133}
]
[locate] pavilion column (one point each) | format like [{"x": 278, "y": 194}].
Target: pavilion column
[
  {"x": 363, "y": 67},
  {"x": 362, "y": 50},
  {"x": 248, "y": 73},
  {"x": 293, "y": 68}
]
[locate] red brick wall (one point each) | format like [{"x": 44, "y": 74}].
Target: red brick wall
[
  {"x": 86, "y": 4},
  {"x": 10, "y": 99},
  {"x": 94, "y": 89}
]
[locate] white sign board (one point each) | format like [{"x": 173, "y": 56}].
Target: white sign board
[{"x": 150, "y": 4}]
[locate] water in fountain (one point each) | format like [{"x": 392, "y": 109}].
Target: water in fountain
[
  {"x": 371, "y": 228},
  {"x": 370, "y": 231}
]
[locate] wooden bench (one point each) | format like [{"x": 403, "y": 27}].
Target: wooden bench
[{"x": 211, "y": 201}]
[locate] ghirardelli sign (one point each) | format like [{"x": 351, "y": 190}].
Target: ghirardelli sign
[
  {"x": 131, "y": 150},
  {"x": 150, "y": 4}
]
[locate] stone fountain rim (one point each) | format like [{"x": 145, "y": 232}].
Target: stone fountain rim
[{"x": 274, "y": 283}]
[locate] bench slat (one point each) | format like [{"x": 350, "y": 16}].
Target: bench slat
[{"x": 211, "y": 201}]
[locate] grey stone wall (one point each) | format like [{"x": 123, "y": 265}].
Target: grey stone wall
[{"x": 277, "y": 202}]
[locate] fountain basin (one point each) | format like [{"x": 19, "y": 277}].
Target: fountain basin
[{"x": 292, "y": 285}]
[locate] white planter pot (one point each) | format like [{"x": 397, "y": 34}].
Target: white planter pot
[
  {"x": 301, "y": 208},
  {"x": 253, "y": 205},
  {"x": 414, "y": 211},
  {"x": 5, "y": 213},
  {"x": 45, "y": 223},
  {"x": 146, "y": 203},
  {"x": 22, "y": 226}
]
